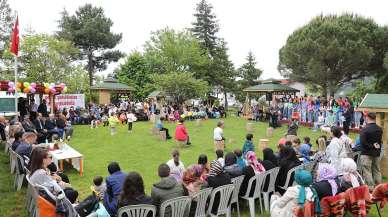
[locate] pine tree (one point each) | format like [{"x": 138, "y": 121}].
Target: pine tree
[
  {"x": 6, "y": 23},
  {"x": 248, "y": 71},
  {"x": 206, "y": 27}
]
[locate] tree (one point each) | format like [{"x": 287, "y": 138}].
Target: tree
[
  {"x": 206, "y": 27},
  {"x": 6, "y": 24},
  {"x": 248, "y": 74},
  {"x": 180, "y": 85},
  {"x": 332, "y": 50},
  {"x": 171, "y": 51},
  {"x": 44, "y": 58},
  {"x": 382, "y": 77},
  {"x": 221, "y": 63},
  {"x": 135, "y": 72},
  {"x": 90, "y": 30}
]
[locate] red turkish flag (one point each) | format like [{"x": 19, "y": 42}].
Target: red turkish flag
[{"x": 15, "y": 38}]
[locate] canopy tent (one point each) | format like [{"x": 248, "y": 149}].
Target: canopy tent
[
  {"x": 109, "y": 86},
  {"x": 378, "y": 103},
  {"x": 268, "y": 87},
  {"x": 156, "y": 94}
]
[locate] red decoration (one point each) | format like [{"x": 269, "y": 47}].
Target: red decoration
[{"x": 15, "y": 38}]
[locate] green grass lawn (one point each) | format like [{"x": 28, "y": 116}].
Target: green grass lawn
[{"x": 138, "y": 151}]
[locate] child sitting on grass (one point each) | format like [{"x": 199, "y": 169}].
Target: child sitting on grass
[{"x": 248, "y": 145}]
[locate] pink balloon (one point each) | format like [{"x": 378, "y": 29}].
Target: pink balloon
[
  {"x": 62, "y": 85},
  {"x": 53, "y": 91},
  {"x": 32, "y": 90},
  {"x": 10, "y": 90},
  {"x": 11, "y": 84},
  {"x": 33, "y": 85}
]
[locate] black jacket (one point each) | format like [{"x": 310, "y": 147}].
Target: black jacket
[
  {"x": 370, "y": 135},
  {"x": 285, "y": 166},
  {"x": 233, "y": 170},
  {"x": 50, "y": 124},
  {"x": 39, "y": 125},
  {"x": 323, "y": 188},
  {"x": 217, "y": 181},
  {"x": 28, "y": 126},
  {"x": 2, "y": 132},
  {"x": 249, "y": 173},
  {"x": 42, "y": 108}
]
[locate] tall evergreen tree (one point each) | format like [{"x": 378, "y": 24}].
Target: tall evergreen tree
[
  {"x": 248, "y": 74},
  {"x": 6, "y": 22},
  {"x": 90, "y": 30},
  {"x": 226, "y": 78},
  {"x": 248, "y": 71},
  {"x": 206, "y": 26}
]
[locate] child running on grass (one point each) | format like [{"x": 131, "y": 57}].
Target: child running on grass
[{"x": 113, "y": 121}]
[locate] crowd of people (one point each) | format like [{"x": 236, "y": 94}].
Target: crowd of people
[
  {"x": 314, "y": 111},
  {"x": 334, "y": 169}
]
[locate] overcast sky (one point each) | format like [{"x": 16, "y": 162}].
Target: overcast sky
[{"x": 261, "y": 26}]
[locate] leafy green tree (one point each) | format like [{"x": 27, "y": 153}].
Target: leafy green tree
[
  {"x": 248, "y": 74},
  {"x": 135, "y": 72},
  {"x": 382, "y": 77},
  {"x": 90, "y": 30},
  {"x": 44, "y": 58},
  {"x": 206, "y": 26},
  {"x": 332, "y": 50},
  {"x": 180, "y": 85},
  {"x": 171, "y": 51},
  {"x": 6, "y": 24}
]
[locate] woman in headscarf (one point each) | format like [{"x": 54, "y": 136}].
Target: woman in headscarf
[
  {"x": 287, "y": 161},
  {"x": 253, "y": 168},
  {"x": 193, "y": 179},
  {"x": 327, "y": 183},
  {"x": 231, "y": 167},
  {"x": 350, "y": 178},
  {"x": 295, "y": 196},
  {"x": 193, "y": 182},
  {"x": 217, "y": 178},
  {"x": 336, "y": 151},
  {"x": 269, "y": 159}
]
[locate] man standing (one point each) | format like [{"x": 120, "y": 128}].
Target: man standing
[
  {"x": 218, "y": 135},
  {"x": 43, "y": 108},
  {"x": 371, "y": 140}
]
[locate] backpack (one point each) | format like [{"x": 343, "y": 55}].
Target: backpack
[{"x": 87, "y": 206}]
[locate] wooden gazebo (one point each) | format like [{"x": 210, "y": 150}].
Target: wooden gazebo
[
  {"x": 108, "y": 87},
  {"x": 378, "y": 103},
  {"x": 269, "y": 88}
]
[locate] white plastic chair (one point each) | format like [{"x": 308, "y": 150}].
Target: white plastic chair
[
  {"x": 32, "y": 198},
  {"x": 259, "y": 178},
  {"x": 137, "y": 210},
  {"x": 178, "y": 206},
  {"x": 225, "y": 193},
  {"x": 201, "y": 199},
  {"x": 289, "y": 174},
  {"x": 12, "y": 160},
  {"x": 237, "y": 181},
  {"x": 272, "y": 174},
  {"x": 20, "y": 173}
]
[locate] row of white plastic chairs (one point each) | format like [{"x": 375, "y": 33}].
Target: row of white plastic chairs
[{"x": 228, "y": 193}]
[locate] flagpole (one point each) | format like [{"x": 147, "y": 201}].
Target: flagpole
[{"x": 16, "y": 81}]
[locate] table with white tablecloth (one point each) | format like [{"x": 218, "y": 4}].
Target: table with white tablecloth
[{"x": 69, "y": 154}]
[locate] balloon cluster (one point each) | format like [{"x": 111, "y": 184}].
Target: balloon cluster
[{"x": 27, "y": 87}]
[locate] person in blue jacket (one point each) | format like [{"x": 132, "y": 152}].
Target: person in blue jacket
[{"x": 114, "y": 184}]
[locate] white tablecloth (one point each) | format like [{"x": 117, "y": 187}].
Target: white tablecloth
[{"x": 67, "y": 153}]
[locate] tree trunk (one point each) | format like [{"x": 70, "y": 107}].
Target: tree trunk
[
  {"x": 324, "y": 90},
  {"x": 90, "y": 68},
  {"x": 226, "y": 100}
]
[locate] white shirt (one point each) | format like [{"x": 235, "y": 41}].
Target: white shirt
[
  {"x": 222, "y": 161},
  {"x": 218, "y": 133},
  {"x": 335, "y": 153},
  {"x": 174, "y": 169},
  {"x": 131, "y": 117}
]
